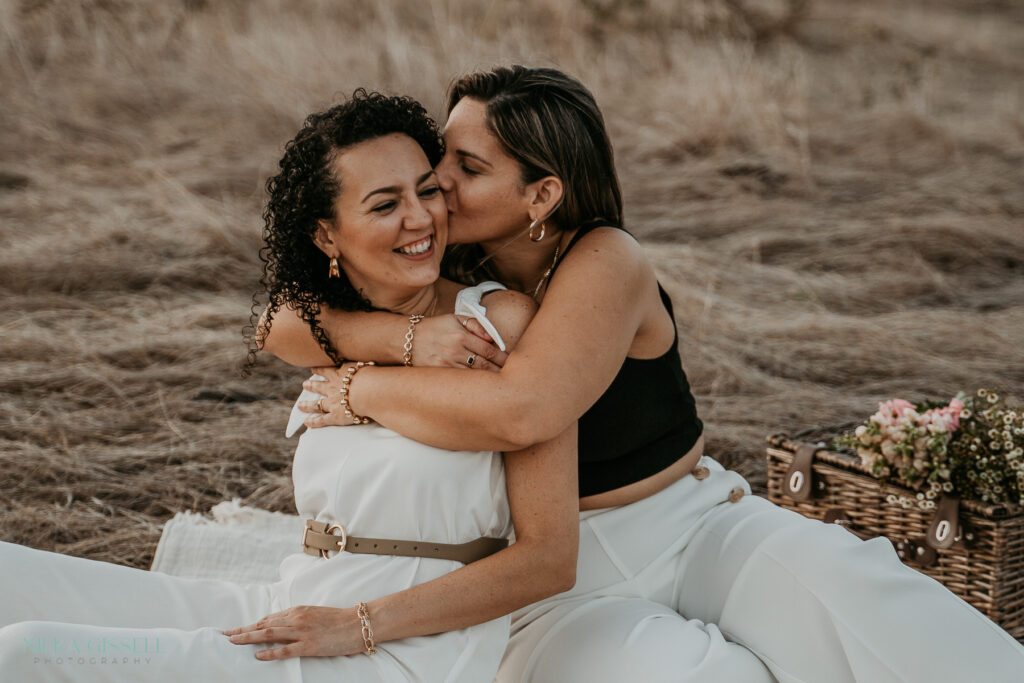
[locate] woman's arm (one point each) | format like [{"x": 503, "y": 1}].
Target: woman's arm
[
  {"x": 597, "y": 302},
  {"x": 542, "y": 492},
  {"x": 543, "y": 497},
  {"x": 378, "y": 336}
]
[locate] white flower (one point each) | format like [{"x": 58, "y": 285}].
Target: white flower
[
  {"x": 930, "y": 494},
  {"x": 947, "y": 486},
  {"x": 929, "y": 505}
]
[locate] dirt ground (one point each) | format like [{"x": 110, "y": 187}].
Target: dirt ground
[{"x": 832, "y": 192}]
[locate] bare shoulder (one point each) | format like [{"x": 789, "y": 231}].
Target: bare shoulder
[
  {"x": 608, "y": 255},
  {"x": 511, "y": 313}
]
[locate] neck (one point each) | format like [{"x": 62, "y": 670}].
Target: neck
[
  {"x": 421, "y": 301},
  {"x": 522, "y": 264}
]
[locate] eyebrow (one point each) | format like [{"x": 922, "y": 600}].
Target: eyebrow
[
  {"x": 395, "y": 189},
  {"x": 464, "y": 153}
]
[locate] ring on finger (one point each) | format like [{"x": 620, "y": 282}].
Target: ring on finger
[
  {"x": 465, "y": 322},
  {"x": 471, "y": 359},
  {"x": 320, "y": 406}
]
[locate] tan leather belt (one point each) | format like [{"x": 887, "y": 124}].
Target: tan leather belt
[{"x": 318, "y": 539}]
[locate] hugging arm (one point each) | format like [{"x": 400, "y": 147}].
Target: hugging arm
[
  {"x": 596, "y": 303},
  {"x": 379, "y": 336}
]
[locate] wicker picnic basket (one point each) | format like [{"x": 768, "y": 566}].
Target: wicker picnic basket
[{"x": 975, "y": 549}]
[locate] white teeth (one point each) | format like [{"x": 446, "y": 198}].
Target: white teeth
[{"x": 416, "y": 247}]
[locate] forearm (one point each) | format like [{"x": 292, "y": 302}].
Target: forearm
[
  {"x": 357, "y": 335},
  {"x": 478, "y": 592},
  {"x": 542, "y": 492},
  {"x": 457, "y": 409}
]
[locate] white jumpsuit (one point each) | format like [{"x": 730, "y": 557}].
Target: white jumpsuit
[
  {"x": 686, "y": 585},
  {"x": 70, "y": 619}
]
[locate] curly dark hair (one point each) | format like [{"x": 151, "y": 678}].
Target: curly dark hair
[{"x": 304, "y": 192}]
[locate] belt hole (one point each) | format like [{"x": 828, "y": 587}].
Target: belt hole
[
  {"x": 357, "y": 545},
  {"x": 415, "y": 547},
  {"x": 374, "y": 545},
  {"x": 394, "y": 547},
  {"x": 436, "y": 550}
]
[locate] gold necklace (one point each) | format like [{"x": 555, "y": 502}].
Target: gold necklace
[{"x": 547, "y": 273}]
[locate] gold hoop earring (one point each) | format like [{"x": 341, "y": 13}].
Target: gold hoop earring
[
  {"x": 533, "y": 226},
  {"x": 333, "y": 270}
]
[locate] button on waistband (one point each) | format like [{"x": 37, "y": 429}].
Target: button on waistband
[
  {"x": 736, "y": 494},
  {"x": 701, "y": 473}
]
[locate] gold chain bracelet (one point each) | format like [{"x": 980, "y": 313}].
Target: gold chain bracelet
[
  {"x": 414, "y": 320},
  {"x": 364, "y": 622},
  {"x": 346, "y": 383}
]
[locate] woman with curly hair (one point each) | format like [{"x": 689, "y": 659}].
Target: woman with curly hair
[
  {"x": 405, "y": 559},
  {"x": 682, "y": 575}
]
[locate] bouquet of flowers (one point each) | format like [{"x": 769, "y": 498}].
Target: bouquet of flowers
[{"x": 972, "y": 446}]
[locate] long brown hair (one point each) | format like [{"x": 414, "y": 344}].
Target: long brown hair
[{"x": 550, "y": 123}]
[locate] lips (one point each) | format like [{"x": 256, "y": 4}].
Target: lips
[{"x": 417, "y": 248}]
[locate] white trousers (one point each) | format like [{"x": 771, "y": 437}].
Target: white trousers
[
  {"x": 105, "y": 622},
  {"x": 687, "y": 586}
]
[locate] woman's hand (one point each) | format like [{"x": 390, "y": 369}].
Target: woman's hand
[
  {"x": 448, "y": 341},
  {"x": 307, "y": 631},
  {"x": 326, "y": 411}
]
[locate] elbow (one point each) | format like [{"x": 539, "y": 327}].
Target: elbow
[
  {"x": 566, "y": 578},
  {"x": 529, "y": 423},
  {"x": 559, "y": 575}
]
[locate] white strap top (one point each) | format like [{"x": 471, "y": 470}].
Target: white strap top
[{"x": 467, "y": 303}]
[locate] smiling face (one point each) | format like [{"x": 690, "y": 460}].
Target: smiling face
[
  {"x": 487, "y": 201},
  {"x": 390, "y": 222}
]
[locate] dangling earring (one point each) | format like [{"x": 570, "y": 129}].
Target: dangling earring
[
  {"x": 334, "y": 271},
  {"x": 533, "y": 226}
]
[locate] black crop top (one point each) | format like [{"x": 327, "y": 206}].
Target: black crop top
[{"x": 644, "y": 422}]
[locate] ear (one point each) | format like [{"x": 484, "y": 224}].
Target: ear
[
  {"x": 545, "y": 196},
  {"x": 323, "y": 238}
]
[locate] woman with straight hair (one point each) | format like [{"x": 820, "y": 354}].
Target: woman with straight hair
[{"x": 682, "y": 574}]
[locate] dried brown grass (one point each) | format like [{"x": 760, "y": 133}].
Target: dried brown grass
[{"x": 832, "y": 193}]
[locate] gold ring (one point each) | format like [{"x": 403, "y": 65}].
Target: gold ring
[
  {"x": 471, "y": 359},
  {"x": 320, "y": 406}
]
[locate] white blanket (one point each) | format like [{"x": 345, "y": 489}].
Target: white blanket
[{"x": 239, "y": 543}]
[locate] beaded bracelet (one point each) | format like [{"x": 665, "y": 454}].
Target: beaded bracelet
[
  {"x": 346, "y": 382},
  {"x": 364, "y": 621},
  {"x": 407, "y": 356}
]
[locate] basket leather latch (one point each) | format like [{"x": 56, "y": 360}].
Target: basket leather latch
[
  {"x": 798, "y": 483},
  {"x": 916, "y": 551},
  {"x": 945, "y": 530}
]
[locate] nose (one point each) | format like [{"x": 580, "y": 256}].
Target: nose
[
  {"x": 418, "y": 217},
  {"x": 444, "y": 175}
]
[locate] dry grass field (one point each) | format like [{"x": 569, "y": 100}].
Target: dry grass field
[{"x": 832, "y": 191}]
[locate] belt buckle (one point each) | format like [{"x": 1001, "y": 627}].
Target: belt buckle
[{"x": 322, "y": 528}]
